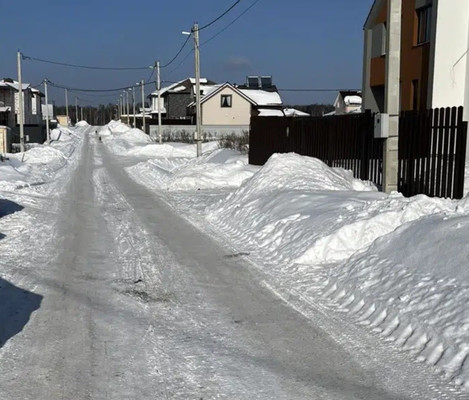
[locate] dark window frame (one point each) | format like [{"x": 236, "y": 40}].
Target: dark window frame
[
  {"x": 424, "y": 24},
  {"x": 229, "y": 103}
]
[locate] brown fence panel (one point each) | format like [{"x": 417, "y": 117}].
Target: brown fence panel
[
  {"x": 268, "y": 135},
  {"x": 432, "y": 152},
  {"x": 340, "y": 141}
]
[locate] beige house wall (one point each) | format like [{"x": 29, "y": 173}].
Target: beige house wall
[{"x": 238, "y": 114}]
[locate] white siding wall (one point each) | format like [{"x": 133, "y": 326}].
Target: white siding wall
[
  {"x": 452, "y": 33},
  {"x": 238, "y": 114}
]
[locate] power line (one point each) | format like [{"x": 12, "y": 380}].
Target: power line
[
  {"x": 177, "y": 54},
  {"x": 214, "y": 36},
  {"x": 231, "y": 23},
  {"x": 95, "y": 90},
  {"x": 25, "y": 57},
  {"x": 151, "y": 75},
  {"x": 220, "y": 16}
]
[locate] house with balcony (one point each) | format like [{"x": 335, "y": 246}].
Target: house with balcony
[{"x": 434, "y": 55}]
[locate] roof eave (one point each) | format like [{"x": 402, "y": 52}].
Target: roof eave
[{"x": 373, "y": 11}]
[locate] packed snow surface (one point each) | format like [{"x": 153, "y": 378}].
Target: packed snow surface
[{"x": 396, "y": 265}]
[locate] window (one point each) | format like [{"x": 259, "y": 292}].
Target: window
[
  {"x": 424, "y": 16},
  {"x": 226, "y": 100},
  {"x": 378, "y": 41}
]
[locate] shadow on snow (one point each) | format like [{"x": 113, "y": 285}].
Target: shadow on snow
[
  {"x": 16, "y": 307},
  {"x": 8, "y": 207}
]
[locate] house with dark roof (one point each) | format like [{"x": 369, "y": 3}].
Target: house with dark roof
[{"x": 176, "y": 97}]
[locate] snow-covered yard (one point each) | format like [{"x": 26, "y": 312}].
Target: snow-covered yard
[{"x": 395, "y": 265}]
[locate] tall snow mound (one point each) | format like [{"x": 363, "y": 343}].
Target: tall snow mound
[
  {"x": 117, "y": 127},
  {"x": 82, "y": 124},
  {"x": 125, "y": 141},
  {"x": 61, "y": 133},
  {"x": 289, "y": 204},
  {"x": 295, "y": 172}
]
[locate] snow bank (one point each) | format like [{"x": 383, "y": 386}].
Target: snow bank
[
  {"x": 219, "y": 169},
  {"x": 41, "y": 163},
  {"x": 290, "y": 203},
  {"x": 82, "y": 124},
  {"x": 125, "y": 141},
  {"x": 412, "y": 287},
  {"x": 398, "y": 265}
]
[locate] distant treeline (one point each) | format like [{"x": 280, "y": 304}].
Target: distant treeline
[
  {"x": 315, "y": 110},
  {"x": 99, "y": 115}
]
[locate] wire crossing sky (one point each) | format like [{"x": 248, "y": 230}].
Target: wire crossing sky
[{"x": 303, "y": 44}]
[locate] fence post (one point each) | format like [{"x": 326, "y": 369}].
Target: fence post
[
  {"x": 366, "y": 130},
  {"x": 392, "y": 95},
  {"x": 460, "y": 159}
]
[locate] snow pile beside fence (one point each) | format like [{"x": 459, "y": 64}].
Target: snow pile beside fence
[
  {"x": 397, "y": 265},
  {"x": 219, "y": 168}
]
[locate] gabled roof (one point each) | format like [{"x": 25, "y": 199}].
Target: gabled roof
[
  {"x": 374, "y": 11},
  {"x": 218, "y": 88},
  {"x": 263, "y": 97},
  {"x": 349, "y": 97},
  {"x": 38, "y": 92},
  {"x": 183, "y": 86},
  {"x": 13, "y": 84}
]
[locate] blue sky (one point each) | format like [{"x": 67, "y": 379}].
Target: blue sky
[{"x": 301, "y": 43}]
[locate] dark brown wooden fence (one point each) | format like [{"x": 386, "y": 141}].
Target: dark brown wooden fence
[
  {"x": 340, "y": 141},
  {"x": 432, "y": 153}
]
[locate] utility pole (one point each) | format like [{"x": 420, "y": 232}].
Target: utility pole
[
  {"x": 20, "y": 101},
  {"x": 81, "y": 113},
  {"x": 133, "y": 100},
  {"x": 142, "y": 83},
  {"x": 392, "y": 95},
  {"x": 47, "y": 112},
  {"x": 128, "y": 106},
  {"x": 198, "y": 137},
  {"x": 76, "y": 110},
  {"x": 66, "y": 104},
  {"x": 158, "y": 88}
]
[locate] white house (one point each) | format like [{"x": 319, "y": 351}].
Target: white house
[
  {"x": 348, "y": 102},
  {"x": 228, "y": 105}
]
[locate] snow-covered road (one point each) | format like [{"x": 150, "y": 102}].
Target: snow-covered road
[{"x": 127, "y": 300}]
